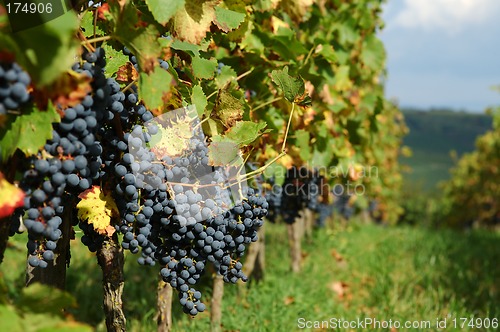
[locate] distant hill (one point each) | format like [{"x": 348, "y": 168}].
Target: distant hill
[{"x": 433, "y": 135}]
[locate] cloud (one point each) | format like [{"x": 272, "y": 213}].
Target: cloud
[{"x": 449, "y": 15}]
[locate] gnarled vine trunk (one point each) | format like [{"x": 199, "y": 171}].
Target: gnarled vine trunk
[{"x": 110, "y": 258}]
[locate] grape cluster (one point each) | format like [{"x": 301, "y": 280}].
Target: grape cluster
[
  {"x": 175, "y": 209},
  {"x": 68, "y": 165},
  {"x": 325, "y": 210},
  {"x": 301, "y": 190},
  {"x": 274, "y": 198},
  {"x": 220, "y": 240},
  {"x": 342, "y": 204},
  {"x": 14, "y": 82}
]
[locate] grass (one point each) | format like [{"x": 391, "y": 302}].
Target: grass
[{"x": 398, "y": 273}]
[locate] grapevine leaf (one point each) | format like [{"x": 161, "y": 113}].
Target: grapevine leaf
[
  {"x": 153, "y": 87},
  {"x": 303, "y": 143},
  {"x": 57, "y": 36},
  {"x": 68, "y": 90},
  {"x": 28, "y": 131},
  {"x": 342, "y": 80},
  {"x": 223, "y": 152},
  {"x": 11, "y": 198},
  {"x": 287, "y": 45},
  {"x": 139, "y": 36},
  {"x": 245, "y": 132},
  {"x": 292, "y": 87},
  {"x": 98, "y": 208},
  {"x": 327, "y": 52},
  {"x": 127, "y": 73},
  {"x": 192, "y": 22},
  {"x": 175, "y": 131},
  {"x": 373, "y": 53},
  {"x": 212, "y": 127},
  {"x": 204, "y": 68},
  {"x": 10, "y": 320},
  {"x": 114, "y": 59},
  {"x": 38, "y": 298},
  {"x": 228, "y": 108},
  {"x": 87, "y": 24},
  {"x": 228, "y": 20},
  {"x": 227, "y": 74},
  {"x": 186, "y": 47},
  {"x": 163, "y": 10},
  {"x": 199, "y": 99},
  {"x": 296, "y": 9}
]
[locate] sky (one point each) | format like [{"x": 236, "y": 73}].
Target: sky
[{"x": 443, "y": 53}]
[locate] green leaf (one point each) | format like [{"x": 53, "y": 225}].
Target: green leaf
[
  {"x": 27, "y": 132},
  {"x": 347, "y": 35},
  {"x": 228, "y": 108},
  {"x": 163, "y": 10},
  {"x": 245, "y": 132},
  {"x": 199, "y": 99},
  {"x": 50, "y": 48},
  {"x": 153, "y": 87},
  {"x": 327, "y": 52},
  {"x": 342, "y": 80},
  {"x": 140, "y": 38},
  {"x": 302, "y": 141},
  {"x": 87, "y": 24},
  {"x": 186, "y": 47},
  {"x": 373, "y": 53},
  {"x": 292, "y": 87},
  {"x": 204, "y": 68},
  {"x": 227, "y": 74},
  {"x": 40, "y": 298},
  {"x": 114, "y": 59},
  {"x": 10, "y": 320},
  {"x": 228, "y": 20},
  {"x": 223, "y": 152}
]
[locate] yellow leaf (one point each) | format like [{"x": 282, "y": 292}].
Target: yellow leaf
[
  {"x": 192, "y": 22},
  {"x": 97, "y": 208},
  {"x": 11, "y": 197}
]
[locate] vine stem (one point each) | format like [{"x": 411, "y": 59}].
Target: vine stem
[
  {"x": 287, "y": 128},
  {"x": 267, "y": 103},
  {"x": 245, "y": 74},
  {"x": 212, "y": 94},
  {"x": 237, "y": 79},
  {"x": 130, "y": 85},
  {"x": 309, "y": 54},
  {"x": 283, "y": 152},
  {"x": 95, "y": 40}
]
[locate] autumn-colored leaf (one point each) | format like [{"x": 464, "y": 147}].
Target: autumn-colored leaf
[
  {"x": 67, "y": 91},
  {"x": 192, "y": 22},
  {"x": 338, "y": 257},
  {"x": 11, "y": 197},
  {"x": 102, "y": 10},
  {"x": 340, "y": 288},
  {"x": 98, "y": 208},
  {"x": 127, "y": 73},
  {"x": 289, "y": 300}
]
